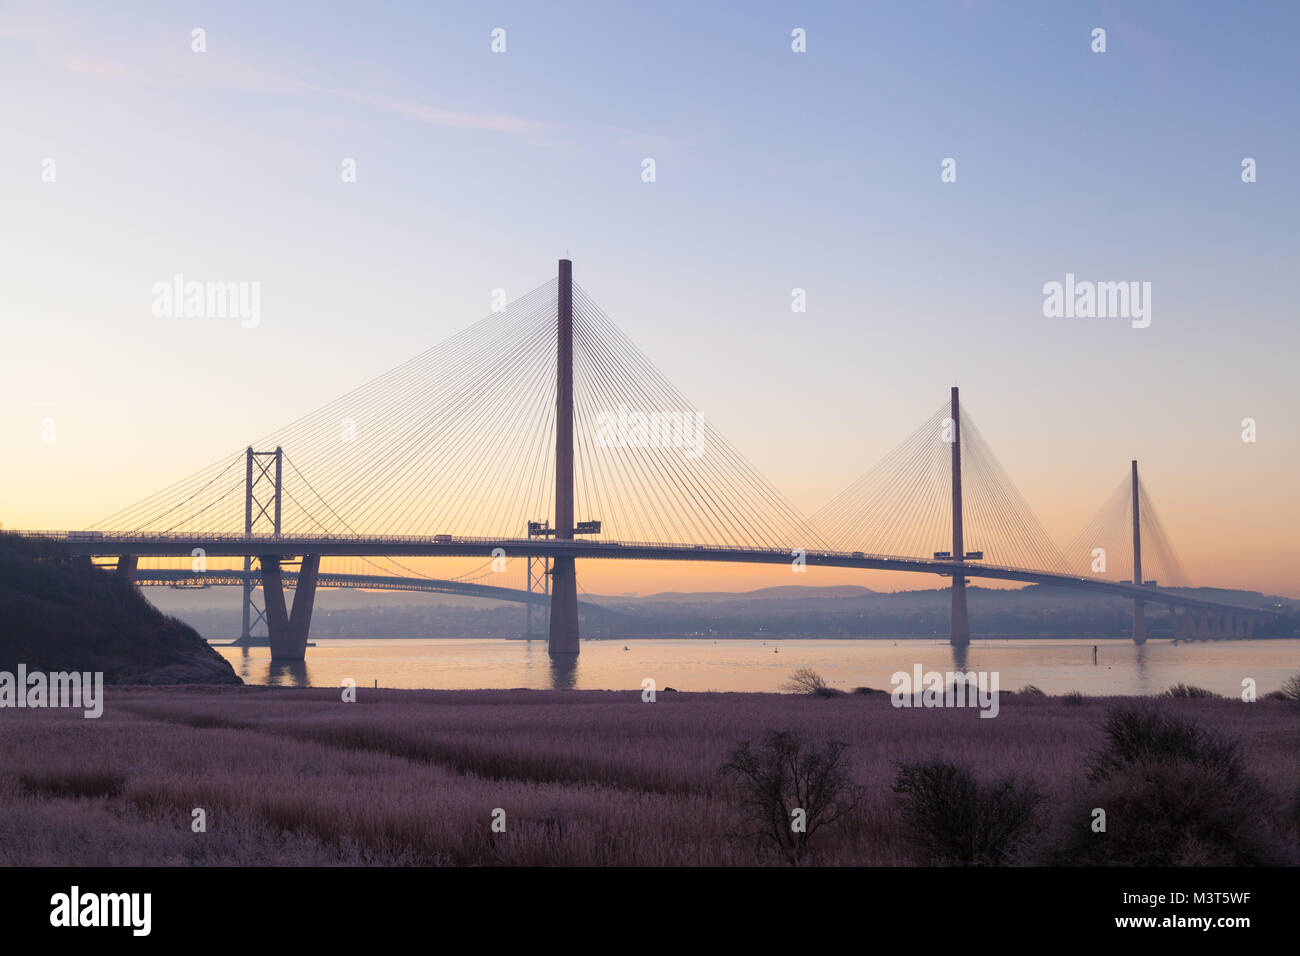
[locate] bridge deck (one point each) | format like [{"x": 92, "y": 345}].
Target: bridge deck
[{"x": 233, "y": 545}]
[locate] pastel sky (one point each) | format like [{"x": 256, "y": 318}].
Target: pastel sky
[{"x": 775, "y": 170}]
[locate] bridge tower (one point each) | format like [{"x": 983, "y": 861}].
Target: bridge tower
[
  {"x": 537, "y": 575},
  {"x": 563, "y": 633},
  {"x": 1139, "y": 608},
  {"x": 959, "y": 623},
  {"x": 263, "y": 473}
]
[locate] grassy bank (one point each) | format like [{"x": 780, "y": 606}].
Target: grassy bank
[
  {"x": 59, "y": 613},
  {"x": 297, "y": 776}
]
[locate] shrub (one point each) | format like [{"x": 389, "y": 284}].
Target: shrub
[
  {"x": 1290, "y": 689},
  {"x": 1188, "y": 692},
  {"x": 1174, "y": 794},
  {"x": 1172, "y": 813},
  {"x": 1074, "y": 698},
  {"x": 805, "y": 680},
  {"x": 787, "y": 773},
  {"x": 953, "y": 819},
  {"x": 1029, "y": 690},
  {"x": 1137, "y": 735}
]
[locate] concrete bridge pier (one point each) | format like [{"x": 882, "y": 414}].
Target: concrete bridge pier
[
  {"x": 563, "y": 633},
  {"x": 1178, "y": 623},
  {"x": 126, "y": 568},
  {"x": 563, "y": 630},
  {"x": 959, "y": 620},
  {"x": 1139, "y": 609},
  {"x": 288, "y": 630}
]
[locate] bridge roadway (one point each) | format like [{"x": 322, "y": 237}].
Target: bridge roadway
[
  {"x": 369, "y": 582},
  {"x": 238, "y": 545}
]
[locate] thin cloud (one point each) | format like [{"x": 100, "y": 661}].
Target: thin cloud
[
  {"x": 435, "y": 116},
  {"x": 102, "y": 68}
]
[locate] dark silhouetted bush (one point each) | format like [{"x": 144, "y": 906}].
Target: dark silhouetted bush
[
  {"x": 1144, "y": 734},
  {"x": 1174, "y": 794},
  {"x": 953, "y": 819},
  {"x": 1290, "y": 689},
  {"x": 787, "y": 773},
  {"x": 1188, "y": 692},
  {"x": 805, "y": 680}
]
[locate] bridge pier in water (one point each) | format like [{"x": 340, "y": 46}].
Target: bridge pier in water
[
  {"x": 562, "y": 638},
  {"x": 288, "y": 629},
  {"x": 1194, "y": 624}
]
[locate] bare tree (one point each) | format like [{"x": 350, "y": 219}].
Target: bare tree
[
  {"x": 791, "y": 789},
  {"x": 805, "y": 680}
]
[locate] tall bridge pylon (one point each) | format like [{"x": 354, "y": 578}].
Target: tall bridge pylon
[
  {"x": 959, "y": 622},
  {"x": 563, "y": 632},
  {"x": 1139, "y": 609},
  {"x": 1126, "y": 540}
]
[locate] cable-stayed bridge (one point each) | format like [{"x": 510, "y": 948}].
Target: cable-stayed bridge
[{"x": 542, "y": 434}]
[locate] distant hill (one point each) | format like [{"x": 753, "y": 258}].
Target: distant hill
[
  {"x": 58, "y": 613},
  {"x": 787, "y": 611}
]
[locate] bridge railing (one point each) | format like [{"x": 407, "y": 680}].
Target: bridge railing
[{"x": 589, "y": 547}]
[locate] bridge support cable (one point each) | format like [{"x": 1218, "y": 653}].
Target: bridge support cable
[
  {"x": 903, "y": 505},
  {"x": 353, "y": 447},
  {"x": 1126, "y": 541},
  {"x": 941, "y": 488},
  {"x": 656, "y": 468}
]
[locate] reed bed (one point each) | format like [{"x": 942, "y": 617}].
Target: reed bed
[{"x": 300, "y": 777}]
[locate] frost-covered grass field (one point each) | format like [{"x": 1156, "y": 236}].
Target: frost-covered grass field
[{"x": 297, "y": 776}]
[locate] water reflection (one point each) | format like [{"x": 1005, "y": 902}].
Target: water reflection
[
  {"x": 564, "y": 672},
  {"x": 1143, "y": 673},
  {"x": 288, "y": 674},
  {"x": 1057, "y": 666},
  {"x": 245, "y": 668}
]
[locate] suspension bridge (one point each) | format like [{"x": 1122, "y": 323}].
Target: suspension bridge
[{"x": 541, "y": 437}]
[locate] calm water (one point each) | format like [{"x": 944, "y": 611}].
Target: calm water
[{"x": 1056, "y": 666}]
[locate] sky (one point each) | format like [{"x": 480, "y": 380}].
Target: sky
[{"x": 129, "y": 157}]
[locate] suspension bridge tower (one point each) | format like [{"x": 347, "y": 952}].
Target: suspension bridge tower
[{"x": 263, "y": 483}]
